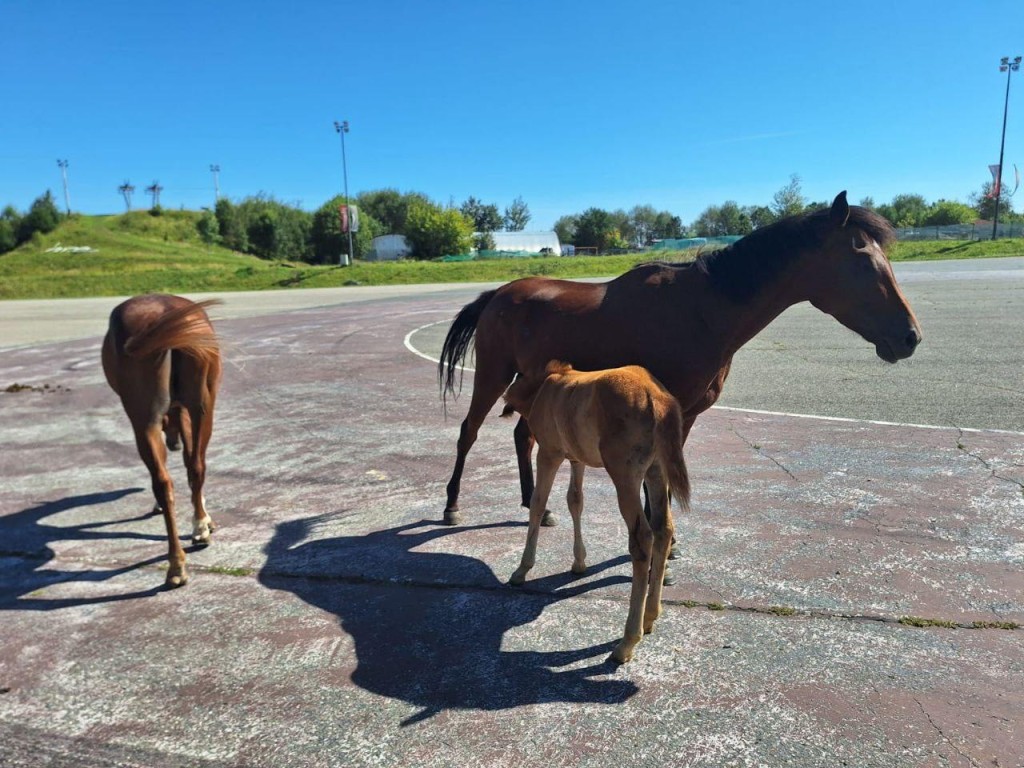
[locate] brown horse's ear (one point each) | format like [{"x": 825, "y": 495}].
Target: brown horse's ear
[{"x": 840, "y": 210}]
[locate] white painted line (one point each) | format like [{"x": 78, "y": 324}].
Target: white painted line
[{"x": 411, "y": 348}]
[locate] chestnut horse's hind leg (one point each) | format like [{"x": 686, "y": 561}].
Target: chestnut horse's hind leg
[
  {"x": 487, "y": 388},
  {"x": 627, "y": 488},
  {"x": 662, "y": 527},
  {"x": 197, "y": 394},
  {"x": 524, "y": 453},
  {"x": 148, "y": 439}
]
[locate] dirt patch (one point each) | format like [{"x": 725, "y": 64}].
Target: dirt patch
[{"x": 45, "y": 388}]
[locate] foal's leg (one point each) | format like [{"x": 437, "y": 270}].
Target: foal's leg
[
  {"x": 487, "y": 388},
  {"x": 627, "y": 488},
  {"x": 197, "y": 391},
  {"x": 662, "y": 527},
  {"x": 524, "y": 452},
  {"x": 574, "y": 500},
  {"x": 547, "y": 465}
]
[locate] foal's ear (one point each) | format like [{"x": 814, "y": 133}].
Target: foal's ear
[{"x": 840, "y": 210}]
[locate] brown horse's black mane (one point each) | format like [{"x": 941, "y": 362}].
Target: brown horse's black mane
[{"x": 739, "y": 270}]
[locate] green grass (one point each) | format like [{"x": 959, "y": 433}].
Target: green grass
[{"x": 138, "y": 253}]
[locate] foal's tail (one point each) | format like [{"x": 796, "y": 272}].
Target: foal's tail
[
  {"x": 186, "y": 328},
  {"x": 668, "y": 446},
  {"x": 456, "y": 343}
]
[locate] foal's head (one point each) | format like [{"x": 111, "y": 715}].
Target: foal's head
[
  {"x": 852, "y": 280},
  {"x": 520, "y": 395}
]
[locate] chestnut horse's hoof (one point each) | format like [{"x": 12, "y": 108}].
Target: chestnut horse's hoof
[
  {"x": 452, "y": 516},
  {"x": 549, "y": 520},
  {"x": 669, "y": 578}
]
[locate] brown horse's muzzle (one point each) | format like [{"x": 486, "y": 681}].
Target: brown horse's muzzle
[{"x": 899, "y": 345}]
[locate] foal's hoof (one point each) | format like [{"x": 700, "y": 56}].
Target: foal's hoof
[
  {"x": 452, "y": 516},
  {"x": 673, "y": 552},
  {"x": 548, "y": 520},
  {"x": 176, "y": 579},
  {"x": 669, "y": 579}
]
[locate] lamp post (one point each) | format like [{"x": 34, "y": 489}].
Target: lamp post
[
  {"x": 1007, "y": 66},
  {"x": 63, "y": 165},
  {"x": 342, "y": 129},
  {"x": 215, "y": 169}
]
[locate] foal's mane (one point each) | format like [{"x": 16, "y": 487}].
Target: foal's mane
[{"x": 739, "y": 270}]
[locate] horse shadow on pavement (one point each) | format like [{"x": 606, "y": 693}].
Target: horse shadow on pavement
[
  {"x": 26, "y": 549},
  {"x": 428, "y": 626}
]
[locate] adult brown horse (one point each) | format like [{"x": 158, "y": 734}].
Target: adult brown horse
[
  {"x": 161, "y": 356},
  {"x": 683, "y": 322}
]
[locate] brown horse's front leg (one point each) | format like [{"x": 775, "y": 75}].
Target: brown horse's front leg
[{"x": 524, "y": 451}]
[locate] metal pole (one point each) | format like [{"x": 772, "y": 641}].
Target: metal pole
[
  {"x": 63, "y": 164},
  {"x": 1010, "y": 67},
  {"x": 215, "y": 169},
  {"x": 342, "y": 129}
]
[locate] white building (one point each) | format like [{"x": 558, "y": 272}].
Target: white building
[{"x": 533, "y": 242}]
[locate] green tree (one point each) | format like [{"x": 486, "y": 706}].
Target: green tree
[
  {"x": 595, "y": 228},
  {"x": 668, "y": 227},
  {"x": 517, "y": 215},
  {"x": 208, "y": 227},
  {"x": 10, "y": 222},
  {"x": 905, "y": 210},
  {"x": 867, "y": 202},
  {"x": 760, "y": 216},
  {"x": 789, "y": 200},
  {"x": 389, "y": 207},
  {"x": 946, "y": 212},
  {"x": 485, "y": 217},
  {"x": 433, "y": 231},
  {"x": 328, "y": 242},
  {"x": 42, "y": 216},
  {"x": 642, "y": 221},
  {"x": 483, "y": 241},
  {"x": 985, "y": 204},
  {"x": 725, "y": 219},
  {"x": 231, "y": 226},
  {"x": 565, "y": 228}
]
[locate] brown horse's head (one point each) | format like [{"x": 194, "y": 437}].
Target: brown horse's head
[{"x": 853, "y": 281}]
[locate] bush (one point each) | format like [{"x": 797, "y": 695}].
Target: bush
[
  {"x": 434, "y": 232},
  {"x": 208, "y": 228}
]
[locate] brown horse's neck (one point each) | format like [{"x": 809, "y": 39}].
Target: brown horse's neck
[{"x": 735, "y": 316}]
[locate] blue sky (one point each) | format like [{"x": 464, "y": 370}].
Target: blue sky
[{"x": 567, "y": 104}]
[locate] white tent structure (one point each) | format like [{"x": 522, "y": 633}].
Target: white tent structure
[
  {"x": 533, "y": 242},
  {"x": 389, "y": 248}
]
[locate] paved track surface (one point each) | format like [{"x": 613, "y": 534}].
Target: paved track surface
[{"x": 334, "y": 622}]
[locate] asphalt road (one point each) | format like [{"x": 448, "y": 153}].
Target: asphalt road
[{"x": 333, "y": 620}]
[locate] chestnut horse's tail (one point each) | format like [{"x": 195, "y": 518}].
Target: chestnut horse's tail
[
  {"x": 668, "y": 447},
  {"x": 185, "y": 328},
  {"x": 456, "y": 343}
]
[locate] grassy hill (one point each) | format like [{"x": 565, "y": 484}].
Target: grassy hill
[{"x": 138, "y": 253}]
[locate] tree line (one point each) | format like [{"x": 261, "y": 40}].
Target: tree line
[{"x": 271, "y": 229}]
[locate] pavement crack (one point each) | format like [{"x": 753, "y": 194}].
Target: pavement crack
[
  {"x": 993, "y": 472},
  {"x": 944, "y": 737},
  {"x": 756, "y": 447}
]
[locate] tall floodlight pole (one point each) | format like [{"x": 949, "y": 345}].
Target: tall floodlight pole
[
  {"x": 342, "y": 129},
  {"x": 63, "y": 165},
  {"x": 1007, "y": 66},
  {"x": 215, "y": 169}
]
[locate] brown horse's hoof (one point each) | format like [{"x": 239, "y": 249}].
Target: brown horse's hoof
[
  {"x": 452, "y": 516},
  {"x": 549, "y": 520},
  {"x": 673, "y": 552}
]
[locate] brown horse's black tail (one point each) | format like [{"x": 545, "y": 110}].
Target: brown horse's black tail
[
  {"x": 185, "y": 328},
  {"x": 456, "y": 344},
  {"x": 668, "y": 446}
]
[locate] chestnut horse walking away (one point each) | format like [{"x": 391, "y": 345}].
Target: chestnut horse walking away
[
  {"x": 625, "y": 421},
  {"x": 682, "y": 322},
  {"x": 161, "y": 356}
]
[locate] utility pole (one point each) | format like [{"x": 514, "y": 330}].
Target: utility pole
[
  {"x": 342, "y": 129},
  {"x": 1007, "y": 66},
  {"x": 154, "y": 189},
  {"x": 215, "y": 169},
  {"x": 63, "y": 165},
  {"x": 126, "y": 190}
]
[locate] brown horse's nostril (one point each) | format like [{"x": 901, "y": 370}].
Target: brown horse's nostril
[{"x": 912, "y": 340}]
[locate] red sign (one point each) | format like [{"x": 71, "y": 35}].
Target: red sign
[{"x": 343, "y": 212}]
